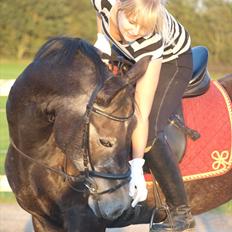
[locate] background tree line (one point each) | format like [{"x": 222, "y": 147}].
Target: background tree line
[{"x": 27, "y": 24}]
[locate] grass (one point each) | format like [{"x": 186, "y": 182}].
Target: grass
[
  {"x": 225, "y": 208},
  {"x": 3, "y": 103},
  {"x": 12, "y": 69},
  {"x": 4, "y": 140},
  {"x": 7, "y": 198}
]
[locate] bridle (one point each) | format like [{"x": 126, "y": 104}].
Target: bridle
[
  {"x": 125, "y": 177},
  {"x": 85, "y": 176}
]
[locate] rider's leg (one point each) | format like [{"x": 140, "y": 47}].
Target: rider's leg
[
  {"x": 174, "y": 79},
  {"x": 164, "y": 167}
]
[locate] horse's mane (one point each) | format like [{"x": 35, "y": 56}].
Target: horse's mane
[{"x": 63, "y": 50}]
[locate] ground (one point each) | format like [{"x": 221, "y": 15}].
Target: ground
[{"x": 14, "y": 219}]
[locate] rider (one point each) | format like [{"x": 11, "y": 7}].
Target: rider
[{"x": 139, "y": 28}]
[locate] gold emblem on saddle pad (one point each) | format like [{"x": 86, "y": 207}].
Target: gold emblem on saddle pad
[{"x": 222, "y": 160}]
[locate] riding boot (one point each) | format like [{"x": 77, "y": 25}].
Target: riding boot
[{"x": 164, "y": 166}]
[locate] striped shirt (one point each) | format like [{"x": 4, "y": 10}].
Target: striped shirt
[{"x": 177, "y": 42}]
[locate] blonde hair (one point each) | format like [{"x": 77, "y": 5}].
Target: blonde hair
[{"x": 149, "y": 14}]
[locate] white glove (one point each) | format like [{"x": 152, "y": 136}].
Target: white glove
[
  {"x": 103, "y": 44},
  {"x": 137, "y": 185}
]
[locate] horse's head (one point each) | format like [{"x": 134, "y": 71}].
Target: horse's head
[
  {"x": 92, "y": 116},
  {"x": 111, "y": 127}
]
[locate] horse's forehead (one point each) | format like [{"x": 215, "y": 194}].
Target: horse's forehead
[
  {"x": 78, "y": 103},
  {"x": 75, "y": 103}
]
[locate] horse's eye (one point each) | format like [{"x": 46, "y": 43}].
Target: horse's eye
[
  {"x": 106, "y": 143},
  {"x": 51, "y": 117}
]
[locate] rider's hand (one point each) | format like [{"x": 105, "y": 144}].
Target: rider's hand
[
  {"x": 137, "y": 185},
  {"x": 103, "y": 44}
]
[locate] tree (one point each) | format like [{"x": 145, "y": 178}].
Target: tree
[
  {"x": 82, "y": 20},
  {"x": 208, "y": 22},
  {"x": 217, "y": 29},
  {"x": 26, "y": 23}
]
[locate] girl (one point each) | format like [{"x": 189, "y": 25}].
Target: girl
[{"x": 139, "y": 28}]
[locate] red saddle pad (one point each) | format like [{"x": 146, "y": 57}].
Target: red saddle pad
[{"x": 211, "y": 115}]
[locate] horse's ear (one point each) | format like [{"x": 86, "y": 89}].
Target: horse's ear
[
  {"x": 137, "y": 71},
  {"x": 111, "y": 88},
  {"x": 114, "y": 85}
]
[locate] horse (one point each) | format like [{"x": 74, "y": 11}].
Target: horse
[
  {"x": 70, "y": 139},
  {"x": 70, "y": 122}
]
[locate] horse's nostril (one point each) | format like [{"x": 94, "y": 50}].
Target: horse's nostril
[{"x": 106, "y": 142}]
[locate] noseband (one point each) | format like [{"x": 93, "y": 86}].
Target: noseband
[{"x": 86, "y": 175}]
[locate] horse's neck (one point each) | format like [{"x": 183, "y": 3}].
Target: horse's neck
[
  {"x": 48, "y": 152},
  {"x": 28, "y": 126}
]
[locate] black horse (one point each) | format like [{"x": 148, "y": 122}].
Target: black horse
[{"x": 70, "y": 122}]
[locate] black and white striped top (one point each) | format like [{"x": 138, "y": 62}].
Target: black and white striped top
[{"x": 177, "y": 42}]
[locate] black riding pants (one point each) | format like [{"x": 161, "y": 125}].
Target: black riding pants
[{"x": 174, "y": 78}]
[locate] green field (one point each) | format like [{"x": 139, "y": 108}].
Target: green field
[
  {"x": 12, "y": 69},
  {"x": 3, "y": 133}
]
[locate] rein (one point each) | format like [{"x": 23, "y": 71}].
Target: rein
[
  {"x": 85, "y": 176},
  {"x": 57, "y": 171}
]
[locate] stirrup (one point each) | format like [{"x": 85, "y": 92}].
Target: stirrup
[
  {"x": 174, "y": 222},
  {"x": 163, "y": 207}
]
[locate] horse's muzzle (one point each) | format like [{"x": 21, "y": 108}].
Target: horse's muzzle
[{"x": 110, "y": 206}]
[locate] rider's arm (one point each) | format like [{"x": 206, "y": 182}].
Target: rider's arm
[
  {"x": 144, "y": 95},
  {"x": 102, "y": 42},
  {"x": 99, "y": 23}
]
